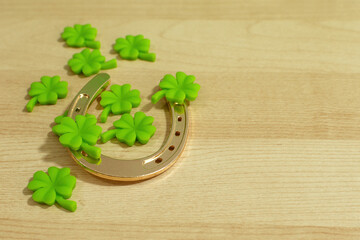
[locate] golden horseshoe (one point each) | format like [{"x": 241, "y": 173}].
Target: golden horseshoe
[{"x": 137, "y": 169}]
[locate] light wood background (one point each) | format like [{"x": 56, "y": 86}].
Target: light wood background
[{"x": 274, "y": 147}]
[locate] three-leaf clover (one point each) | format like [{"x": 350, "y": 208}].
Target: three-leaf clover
[
  {"x": 119, "y": 100},
  {"x": 82, "y": 133},
  {"x": 129, "y": 129},
  {"x": 56, "y": 186},
  {"x": 81, "y": 36},
  {"x": 47, "y": 91},
  {"x": 133, "y": 47},
  {"x": 177, "y": 90},
  {"x": 90, "y": 63}
]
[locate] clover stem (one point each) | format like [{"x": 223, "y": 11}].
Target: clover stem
[
  {"x": 109, "y": 64},
  {"x": 106, "y": 136},
  {"x": 147, "y": 56},
  {"x": 105, "y": 113},
  {"x": 157, "y": 96},
  {"x": 67, "y": 204},
  {"x": 92, "y": 151},
  {"x": 31, "y": 104},
  {"x": 92, "y": 44}
]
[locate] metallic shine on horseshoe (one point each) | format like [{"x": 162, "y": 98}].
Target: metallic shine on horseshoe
[{"x": 138, "y": 169}]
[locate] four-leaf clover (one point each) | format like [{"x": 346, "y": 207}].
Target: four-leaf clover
[
  {"x": 133, "y": 47},
  {"x": 177, "y": 90},
  {"x": 47, "y": 91},
  {"x": 119, "y": 100},
  {"x": 81, "y": 36},
  {"x": 129, "y": 129},
  {"x": 56, "y": 186},
  {"x": 90, "y": 63},
  {"x": 82, "y": 133}
]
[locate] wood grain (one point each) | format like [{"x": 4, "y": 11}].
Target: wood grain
[{"x": 274, "y": 147}]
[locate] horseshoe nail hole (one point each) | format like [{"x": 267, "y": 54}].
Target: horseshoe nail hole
[
  {"x": 159, "y": 160},
  {"x": 84, "y": 95},
  {"x": 84, "y": 154},
  {"x": 179, "y": 119},
  {"x": 177, "y": 133},
  {"x": 77, "y": 109},
  {"x": 172, "y": 147}
]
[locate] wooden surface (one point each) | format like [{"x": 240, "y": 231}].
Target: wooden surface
[{"x": 274, "y": 147}]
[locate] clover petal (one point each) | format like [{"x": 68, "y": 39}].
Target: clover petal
[
  {"x": 68, "y": 32},
  {"x": 47, "y": 81},
  {"x": 48, "y": 91},
  {"x": 48, "y": 98},
  {"x": 119, "y": 100},
  {"x": 53, "y": 172},
  {"x": 168, "y": 82},
  {"x": 134, "y": 47},
  {"x": 45, "y": 195},
  {"x": 90, "y": 132},
  {"x": 126, "y": 121},
  {"x": 65, "y": 114},
  {"x": 121, "y": 107},
  {"x": 41, "y": 179},
  {"x": 175, "y": 95},
  {"x": 67, "y": 126},
  {"x": 36, "y": 184},
  {"x": 61, "y": 89},
  {"x": 129, "y": 53},
  {"x": 37, "y": 88},
  {"x": 121, "y": 43},
  {"x": 129, "y": 129},
  {"x": 108, "y": 98},
  {"x": 71, "y": 140},
  {"x": 143, "y": 136},
  {"x": 127, "y": 136},
  {"x": 56, "y": 186},
  {"x": 79, "y": 134},
  {"x": 141, "y": 43},
  {"x": 177, "y": 90},
  {"x": 90, "y": 63},
  {"x": 191, "y": 91},
  {"x": 80, "y": 36}
]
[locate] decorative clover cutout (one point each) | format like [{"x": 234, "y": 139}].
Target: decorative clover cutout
[
  {"x": 90, "y": 63},
  {"x": 47, "y": 91},
  {"x": 119, "y": 100},
  {"x": 134, "y": 47},
  {"x": 129, "y": 129},
  {"x": 56, "y": 186},
  {"x": 81, "y": 36},
  {"x": 177, "y": 90},
  {"x": 81, "y": 134}
]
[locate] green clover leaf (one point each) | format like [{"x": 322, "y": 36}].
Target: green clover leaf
[
  {"x": 119, "y": 100},
  {"x": 47, "y": 91},
  {"x": 129, "y": 129},
  {"x": 134, "y": 47},
  {"x": 177, "y": 90},
  {"x": 58, "y": 119},
  {"x": 81, "y": 36},
  {"x": 90, "y": 63},
  {"x": 81, "y": 134},
  {"x": 56, "y": 186}
]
